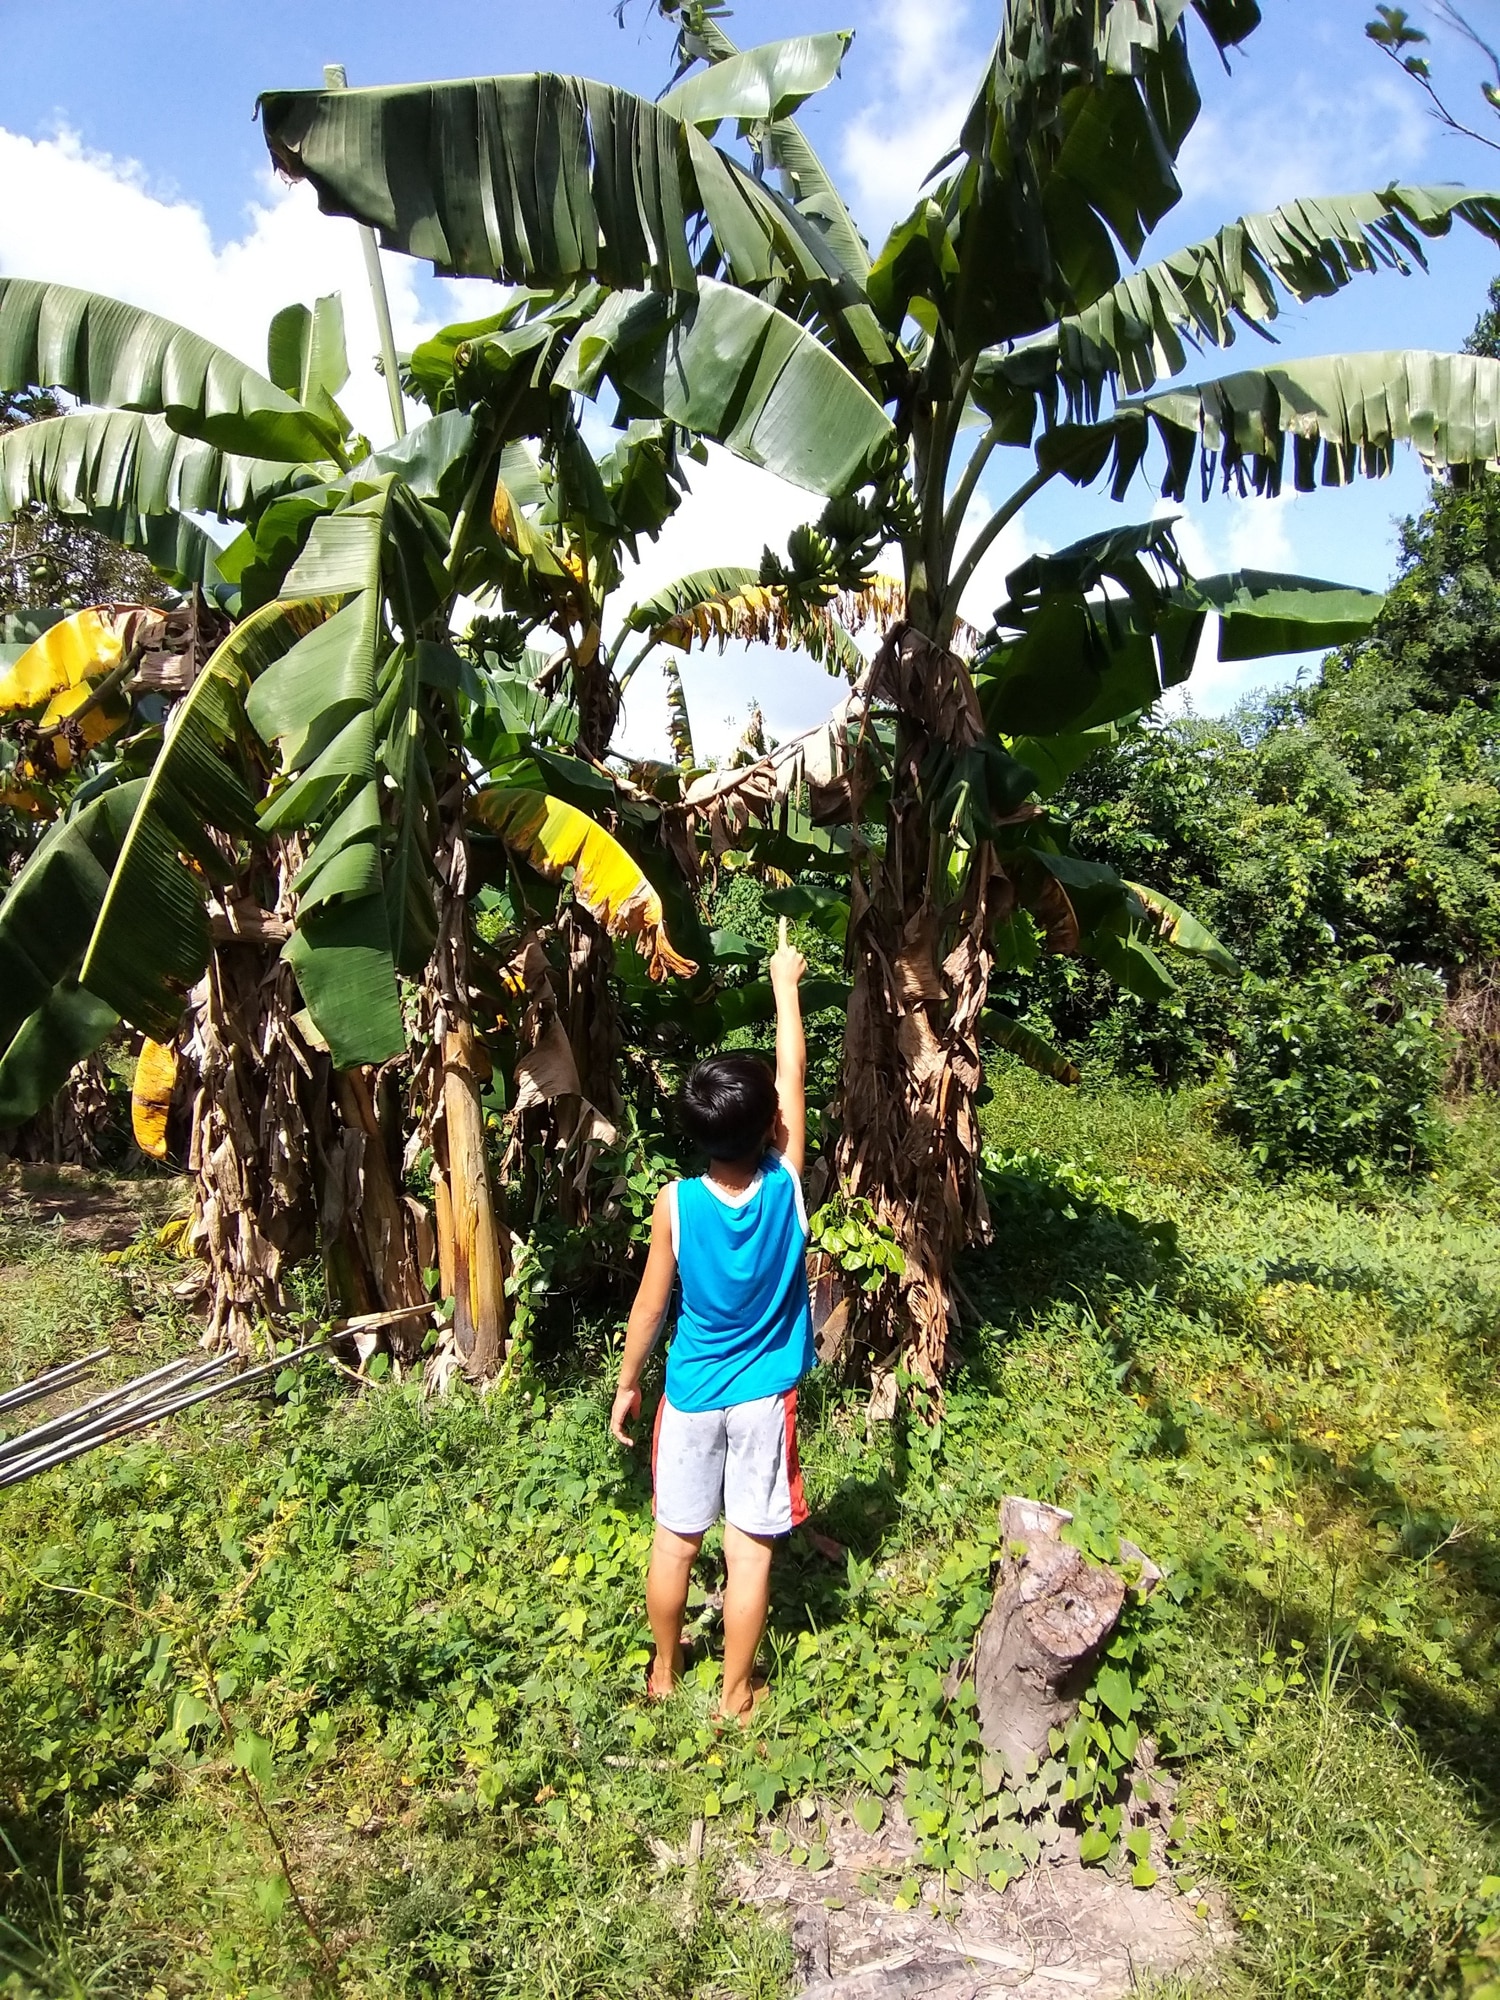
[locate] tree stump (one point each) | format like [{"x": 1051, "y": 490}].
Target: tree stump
[{"x": 1052, "y": 1617}]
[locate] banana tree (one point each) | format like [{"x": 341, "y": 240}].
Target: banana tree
[
  {"x": 565, "y": 521},
  {"x": 1008, "y": 321},
  {"x": 325, "y": 742}
]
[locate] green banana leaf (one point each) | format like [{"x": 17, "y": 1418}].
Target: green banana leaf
[
  {"x": 115, "y": 356},
  {"x": 1262, "y": 614},
  {"x": 1085, "y": 659},
  {"x": 136, "y": 481},
  {"x": 534, "y": 179},
  {"x": 64, "y": 1031},
  {"x": 150, "y": 941},
  {"x": 49, "y": 911},
  {"x": 1067, "y": 150},
  {"x": 547, "y": 180},
  {"x": 729, "y": 367},
  {"x": 306, "y": 357},
  {"x": 317, "y": 704},
  {"x": 1052, "y": 759},
  {"x": 806, "y": 182},
  {"x": 1141, "y": 328},
  {"x": 1340, "y": 416},
  {"x": 1177, "y": 927},
  {"x": 1030, "y": 1048},
  {"x": 759, "y": 84},
  {"x": 46, "y": 919}
]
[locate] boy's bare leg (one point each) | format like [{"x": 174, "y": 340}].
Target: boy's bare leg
[
  {"x": 666, "y": 1601},
  {"x": 747, "y": 1598}
]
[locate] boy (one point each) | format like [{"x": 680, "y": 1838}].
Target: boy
[{"x": 726, "y": 1437}]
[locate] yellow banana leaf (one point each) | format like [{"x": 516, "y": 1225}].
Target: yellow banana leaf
[
  {"x": 553, "y": 836},
  {"x": 151, "y": 1097},
  {"x": 74, "y": 652}
]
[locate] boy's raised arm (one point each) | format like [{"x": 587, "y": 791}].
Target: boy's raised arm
[{"x": 786, "y": 969}]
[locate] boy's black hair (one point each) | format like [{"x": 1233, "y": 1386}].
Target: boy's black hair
[{"x": 728, "y": 1106}]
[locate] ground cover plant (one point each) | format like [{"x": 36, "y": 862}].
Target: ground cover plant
[{"x": 353, "y": 1683}]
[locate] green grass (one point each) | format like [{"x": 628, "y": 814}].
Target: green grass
[{"x": 422, "y": 1624}]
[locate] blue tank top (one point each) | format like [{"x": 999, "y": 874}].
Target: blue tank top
[{"x": 744, "y": 1327}]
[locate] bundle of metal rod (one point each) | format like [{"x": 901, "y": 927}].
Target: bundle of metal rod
[
  {"x": 134, "y": 1406},
  {"x": 63, "y": 1376}
]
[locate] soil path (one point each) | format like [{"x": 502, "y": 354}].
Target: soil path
[{"x": 1061, "y": 1930}]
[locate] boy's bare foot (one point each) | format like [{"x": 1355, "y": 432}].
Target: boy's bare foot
[
  {"x": 662, "y": 1679},
  {"x": 742, "y": 1711}
]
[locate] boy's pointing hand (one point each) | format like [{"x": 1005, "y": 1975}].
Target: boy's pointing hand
[
  {"x": 787, "y": 963},
  {"x": 627, "y": 1408}
]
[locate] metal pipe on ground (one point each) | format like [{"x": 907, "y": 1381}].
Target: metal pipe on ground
[
  {"x": 64, "y": 1451},
  {"x": 103, "y": 1420},
  {"x": 63, "y": 1376},
  {"x": 122, "y": 1392}
]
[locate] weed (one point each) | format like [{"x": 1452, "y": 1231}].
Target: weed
[{"x": 425, "y": 1625}]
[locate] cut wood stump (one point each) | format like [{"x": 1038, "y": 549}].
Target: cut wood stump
[{"x": 1053, "y": 1614}]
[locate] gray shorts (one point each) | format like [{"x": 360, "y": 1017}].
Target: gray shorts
[{"x": 741, "y": 1462}]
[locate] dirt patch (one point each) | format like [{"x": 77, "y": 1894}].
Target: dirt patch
[
  {"x": 87, "y": 1211},
  {"x": 1060, "y": 1930}
]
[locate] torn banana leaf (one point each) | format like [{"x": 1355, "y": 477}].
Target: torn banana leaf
[
  {"x": 554, "y": 836},
  {"x": 1176, "y": 926},
  {"x": 151, "y": 1097},
  {"x": 75, "y": 651},
  {"x": 118, "y": 356}
]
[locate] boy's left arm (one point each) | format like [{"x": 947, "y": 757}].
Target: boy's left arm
[{"x": 646, "y": 1316}]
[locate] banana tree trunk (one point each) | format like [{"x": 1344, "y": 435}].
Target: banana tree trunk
[
  {"x": 286, "y": 1155},
  {"x": 254, "y": 1207},
  {"x": 472, "y": 1245},
  {"x": 75, "y": 1128},
  {"x": 909, "y": 1140}
]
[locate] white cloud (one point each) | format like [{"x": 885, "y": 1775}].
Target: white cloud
[
  {"x": 734, "y": 511},
  {"x": 80, "y": 218},
  {"x": 924, "y": 88},
  {"x": 1328, "y": 140}
]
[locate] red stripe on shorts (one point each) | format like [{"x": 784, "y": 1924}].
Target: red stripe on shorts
[
  {"x": 661, "y": 1411},
  {"x": 793, "y": 1463}
]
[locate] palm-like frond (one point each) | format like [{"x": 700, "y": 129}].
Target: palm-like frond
[
  {"x": 1068, "y": 149},
  {"x": 135, "y": 480},
  {"x": 1140, "y": 330},
  {"x": 116, "y": 356},
  {"x": 724, "y": 604},
  {"x": 547, "y": 180},
  {"x": 1340, "y": 416}
]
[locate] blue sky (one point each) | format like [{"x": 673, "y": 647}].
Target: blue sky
[{"x": 131, "y": 162}]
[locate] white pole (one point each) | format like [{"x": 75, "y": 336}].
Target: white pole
[{"x": 336, "y": 77}]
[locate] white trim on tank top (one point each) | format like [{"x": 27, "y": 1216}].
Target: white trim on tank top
[{"x": 731, "y": 1199}]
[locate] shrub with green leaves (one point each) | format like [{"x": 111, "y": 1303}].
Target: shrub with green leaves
[{"x": 1339, "y": 1071}]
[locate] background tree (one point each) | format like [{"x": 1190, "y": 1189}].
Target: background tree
[{"x": 1341, "y": 836}]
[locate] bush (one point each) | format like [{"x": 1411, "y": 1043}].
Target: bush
[{"x": 1340, "y": 1071}]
